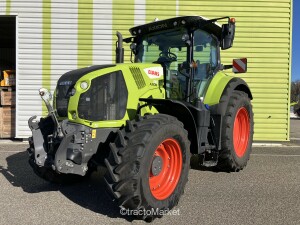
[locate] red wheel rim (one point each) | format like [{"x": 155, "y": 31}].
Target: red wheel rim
[
  {"x": 241, "y": 131},
  {"x": 163, "y": 184}
]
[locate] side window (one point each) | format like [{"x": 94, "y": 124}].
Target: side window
[{"x": 205, "y": 54}]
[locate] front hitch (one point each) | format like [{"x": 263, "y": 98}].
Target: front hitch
[
  {"x": 47, "y": 97},
  {"x": 37, "y": 145}
]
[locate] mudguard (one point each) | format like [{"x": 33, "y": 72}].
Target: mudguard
[
  {"x": 220, "y": 83},
  {"x": 182, "y": 113},
  {"x": 222, "y": 87}
]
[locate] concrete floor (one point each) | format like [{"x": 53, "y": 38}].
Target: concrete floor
[{"x": 266, "y": 192}]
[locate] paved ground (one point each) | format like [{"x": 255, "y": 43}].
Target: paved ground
[{"x": 266, "y": 192}]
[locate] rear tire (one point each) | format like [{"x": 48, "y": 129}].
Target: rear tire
[
  {"x": 148, "y": 165},
  {"x": 237, "y": 133}
]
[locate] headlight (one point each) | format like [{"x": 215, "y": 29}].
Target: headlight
[{"x": 84, "y": 85}]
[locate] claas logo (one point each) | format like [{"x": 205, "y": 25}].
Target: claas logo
[{"x": 153, "y": 72}]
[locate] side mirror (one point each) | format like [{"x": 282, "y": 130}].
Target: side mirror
[{"x": 228, "y": 31}]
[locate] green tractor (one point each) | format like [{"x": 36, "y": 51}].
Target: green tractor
[{"x": 143, "y": 120}]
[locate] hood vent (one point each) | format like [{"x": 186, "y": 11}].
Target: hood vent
[{"x": 138, "y": 77}]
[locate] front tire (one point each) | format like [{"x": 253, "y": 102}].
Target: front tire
[
  {"x": 237, "y": 133},
  {"x": 148, "y": 165}
]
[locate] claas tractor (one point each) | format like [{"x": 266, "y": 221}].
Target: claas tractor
[{"x": 144, "y": 120}]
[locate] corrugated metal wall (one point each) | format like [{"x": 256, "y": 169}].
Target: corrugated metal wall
[
  {"x": 29, "y": 63},
  {"x": 263, "y": 35},
  {"x": 57, "y": 36}
]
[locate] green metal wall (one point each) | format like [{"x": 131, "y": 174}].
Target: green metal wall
[{"x": 263, "y": 35}]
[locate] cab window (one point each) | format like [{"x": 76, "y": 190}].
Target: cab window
[{"x": 205, "y": 60}]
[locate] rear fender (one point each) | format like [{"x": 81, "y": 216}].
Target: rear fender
[
  {"x": 235, "y": 83},
  {"x": 218, "y": 110},
  {"x": 222, "y": 82}
]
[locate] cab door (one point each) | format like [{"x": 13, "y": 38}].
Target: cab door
[{"x": 205, "y": 61}]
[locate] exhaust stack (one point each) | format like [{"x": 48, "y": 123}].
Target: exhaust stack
[{"x": 119, "y": 48}]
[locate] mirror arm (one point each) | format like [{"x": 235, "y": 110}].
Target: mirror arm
[{"x": 226, "y": 67}]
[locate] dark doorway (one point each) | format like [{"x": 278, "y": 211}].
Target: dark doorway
[
  {"x": 7, "y": 43},
  {"x": 7, "y": 76}
]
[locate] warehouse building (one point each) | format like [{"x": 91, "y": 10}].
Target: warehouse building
[{"x": 42, "y": 39}]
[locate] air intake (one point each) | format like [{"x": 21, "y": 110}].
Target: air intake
[{"x": 138, "y": 77}]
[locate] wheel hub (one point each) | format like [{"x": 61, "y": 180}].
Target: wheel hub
[
  {"x": 241, "y": 132},
  {"x": 165, "y": 169},
  {"x": 157, "y": 165}
]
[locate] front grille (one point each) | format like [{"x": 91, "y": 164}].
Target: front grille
[
  {"x": 106, "y": 99},
  {"x": 65, "y": 85}
]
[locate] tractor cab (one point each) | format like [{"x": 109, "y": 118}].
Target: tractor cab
[
  {"x": 189, "y": 60},
  {"x": 188, "y": 48}
]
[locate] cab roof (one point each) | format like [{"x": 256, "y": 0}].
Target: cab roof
[{"x": 188, "y": 22}]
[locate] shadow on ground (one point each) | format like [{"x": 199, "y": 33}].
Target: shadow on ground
[
  {"x": 89, "y": 194},
  {"x": 196, "y": 165}
]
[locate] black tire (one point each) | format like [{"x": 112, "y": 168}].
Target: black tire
[
  {"x": 52, "y": 176},
  {"x": 128, "y": 164},
  {"x": 234, "y": 157}
]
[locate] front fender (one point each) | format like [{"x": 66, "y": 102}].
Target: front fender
[
  {"x": 216, "y": 88},
  {"x": 181, "y": 112}
]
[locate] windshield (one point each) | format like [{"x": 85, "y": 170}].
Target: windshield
[{"x": 161, "y": 47}]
